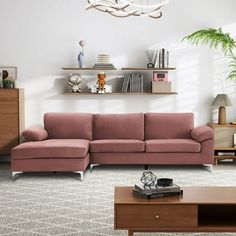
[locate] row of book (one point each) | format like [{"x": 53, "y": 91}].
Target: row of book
[
  {"x": 157, "y": 191},
  {"x": 132, "y": 83},
  {"x": 160, "y": 58}
]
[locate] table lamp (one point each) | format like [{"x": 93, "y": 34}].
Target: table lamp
[{"x": 221, "y": 101}]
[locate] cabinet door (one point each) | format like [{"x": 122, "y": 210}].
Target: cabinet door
[{"x": 224, "y": 137}]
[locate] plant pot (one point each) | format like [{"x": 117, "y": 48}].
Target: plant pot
[{"x": 7, "y": 85}]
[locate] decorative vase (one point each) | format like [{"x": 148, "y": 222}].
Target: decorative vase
[{"x": 81, "y": 59}]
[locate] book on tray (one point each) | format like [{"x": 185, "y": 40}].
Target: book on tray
[
  {"x": 151, "y": 192},
  {"x": 156, "y": 195}
]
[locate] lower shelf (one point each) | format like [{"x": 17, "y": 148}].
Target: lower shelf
[
  {"x": 217, "y": 216},
  {"x": 101, "y": 94}
]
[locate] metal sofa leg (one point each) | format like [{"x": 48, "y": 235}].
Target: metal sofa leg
[
  {"x": 15, "y": 174},
  {"x": 209, "y": 167},
  {"x": 91, "y": 167},
  {"x": 81, "y": 174}
]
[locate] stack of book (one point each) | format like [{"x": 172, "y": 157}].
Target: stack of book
[
  {"x": 156, "y": 191},
  {"x": 104, "y": 62},
  {"x": 107, "y": 66},
  {"x": 132, "y": 83}
]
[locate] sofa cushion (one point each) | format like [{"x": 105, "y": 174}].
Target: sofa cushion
[
  {"x": 68, "y": 125},
  {"x": 118, "y": 126},
  {"x": 117, "y": 145},
  {"x": 168, "y": 125},
  {"x": 52, "y": 148},
  {"x": 172, "y": 145}
]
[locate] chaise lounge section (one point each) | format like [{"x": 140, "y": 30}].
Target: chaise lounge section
[
  {"x": 72, "y": 141},
  {"x": 62, "y": 145}
]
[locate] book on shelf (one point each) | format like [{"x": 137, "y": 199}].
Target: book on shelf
[
  {"x": 225, "y": 153},
  {"x": 156, "y": 189},
  {"x": 141, "y": 84},
  {"x": 156, "y": 59},
  {"x": 132, "y": 83},
  {"x": 163, "y": 58},
  {"x": 125, "y": 84},
  {"x": 157, "y": 195}
]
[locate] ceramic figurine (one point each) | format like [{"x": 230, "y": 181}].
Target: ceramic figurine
[
  {"x": 74, "y": 81},
  {"x": 81, "y": 54},
  {"x": 101, "y": 82}
]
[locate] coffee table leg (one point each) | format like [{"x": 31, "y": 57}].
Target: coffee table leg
[{"x": 131, "y": 232}]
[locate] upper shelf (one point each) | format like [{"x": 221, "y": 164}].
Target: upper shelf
[
  {"x": 125, "y": 69},
  {"x": 86, "y": 68},
  {"x": 148, "y": 69}
]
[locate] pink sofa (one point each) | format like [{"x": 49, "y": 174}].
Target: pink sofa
[{"x": 70, "y": 141}]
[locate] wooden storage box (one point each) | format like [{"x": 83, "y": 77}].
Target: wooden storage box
[{"x": 161, "y": 87}]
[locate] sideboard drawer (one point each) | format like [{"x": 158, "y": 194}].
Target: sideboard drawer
[{"x": 155, "y": 216}]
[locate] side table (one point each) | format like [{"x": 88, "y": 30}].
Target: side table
[{"x": 224, "y": 141}]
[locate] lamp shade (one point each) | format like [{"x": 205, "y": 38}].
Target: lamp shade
[{"x": 221, "y": 100}]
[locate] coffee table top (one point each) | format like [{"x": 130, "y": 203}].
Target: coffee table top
[{"x": 191, "y": 195}]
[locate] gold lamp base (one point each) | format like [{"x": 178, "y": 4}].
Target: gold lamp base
[{"x": 222, "y": 116}]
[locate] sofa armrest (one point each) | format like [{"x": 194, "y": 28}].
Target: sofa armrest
[
  {"x": 35, "y": 133},
  {"x": 202, "y": 133}
]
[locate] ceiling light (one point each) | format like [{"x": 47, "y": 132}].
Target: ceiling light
[{"x": 125, "y": 8}]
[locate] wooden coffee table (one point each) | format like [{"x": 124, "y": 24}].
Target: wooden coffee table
[{"x": 200, "y": 209}]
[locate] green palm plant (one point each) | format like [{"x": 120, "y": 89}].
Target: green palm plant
[{"x": 219, "y": 40}]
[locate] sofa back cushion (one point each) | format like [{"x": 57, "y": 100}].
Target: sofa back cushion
[
  {"x": 69, "y": 125},
  {"x": 118, "y": 126},
  {"x": 168, "y": 125}
]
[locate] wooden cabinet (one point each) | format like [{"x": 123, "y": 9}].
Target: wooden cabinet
[
  {"x": 11, "y": 118},
  {"x": 224, "y": 141}
]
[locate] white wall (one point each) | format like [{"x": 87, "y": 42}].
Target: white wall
[{"x": 40, "y": 37}]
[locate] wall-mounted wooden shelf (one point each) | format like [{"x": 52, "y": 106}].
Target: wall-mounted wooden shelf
[
  {"x": 86, "y": 69},
  {"x": 147, "y": 69},
  {"x": 101, "y": 94},
  {"x": 123, "y": 69}
]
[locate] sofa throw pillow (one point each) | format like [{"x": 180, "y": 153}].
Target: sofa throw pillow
[
  {"x": 35, "y": 133},
  {"x": 202, "y": 133}
]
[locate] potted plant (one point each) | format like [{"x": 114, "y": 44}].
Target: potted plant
[
  {"x": 7, "y": 83},
  {"x": 216, "y": 39}
]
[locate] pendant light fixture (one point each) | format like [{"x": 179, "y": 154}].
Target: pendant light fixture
[{"x": 126, "y": 8}]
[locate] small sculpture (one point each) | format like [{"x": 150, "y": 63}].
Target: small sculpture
[
  {"x": 74, "y": 81},
  {"x": 101, "y": 82},
  {"x": 5, "y": 74},
  {"x": 81, "y": 54},
  {"x": 148, "y": 179}
]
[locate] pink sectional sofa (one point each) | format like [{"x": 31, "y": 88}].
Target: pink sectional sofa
[{"x": 71, "y": 141}]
